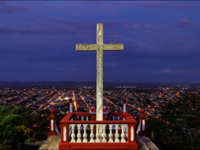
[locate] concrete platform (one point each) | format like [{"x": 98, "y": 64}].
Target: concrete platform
[{"x": 52, "y": 143}]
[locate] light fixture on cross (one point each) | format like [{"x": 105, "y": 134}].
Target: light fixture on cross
[{"x": 99, "y": 47}]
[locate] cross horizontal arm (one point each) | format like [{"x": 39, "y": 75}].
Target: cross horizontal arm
[
  {"x": 86, "y": 47},
  {"x": 113, "y": 47}
]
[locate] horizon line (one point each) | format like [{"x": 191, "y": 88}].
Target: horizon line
[{"x": 109, "y": 81}]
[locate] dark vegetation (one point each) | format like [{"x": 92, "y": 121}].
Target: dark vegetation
[
  {"x": 18, "y": 126},
  {"x": 178, "y": 127}
]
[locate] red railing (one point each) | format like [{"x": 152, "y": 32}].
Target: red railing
[{"x": 124, "y": 137}]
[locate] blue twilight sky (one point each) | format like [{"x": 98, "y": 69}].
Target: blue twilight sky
[{"x": 161, "y": 40}]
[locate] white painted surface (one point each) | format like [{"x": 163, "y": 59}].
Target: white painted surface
[
  {"x": 123, "y": 135},
  {"x": 98, "y": 139},
  {"x": 64, "y": 133},
  {"x": 104, "y": 133},
  {"x": 110, "y": 133},
  {"x": 84, "y": 133},
  {"x": 70, "y": 107},
  {"x": 132, "y": 133},
  {"x": 99, "y": 47},
  {"x": 99, "y": 79},
  {"x": 124, "y": 107},
  {"x": 79, "y": 133},
  {"x": 143, "y": 125},
  {"x": 91, "y": 134},
  {"x": 73, "y": 134},
  {"x": 116, "y": 133},
  {"x": 52, "y": 125},
  {"x": 97, "y": 133}
]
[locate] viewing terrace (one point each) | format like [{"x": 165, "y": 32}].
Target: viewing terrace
[{"x": 80, "y": 130}]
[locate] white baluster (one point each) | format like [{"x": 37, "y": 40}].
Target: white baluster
[
  {"x": 64, "y": 133},
  {"x": 87, "y": 118},
  {"x": 123, "y": 135},
  {"x": 104, "y": 133},
  {"x": 110, "y": 134},
  {"x": 116, "y": 133},
  {"x": 79, "y": 133},
  {"x": 132, "y": 133},
  {"x": 91, "y": 134},
  {"x": 73, "y": 135},
  {"x": 97, "y": 133},
  {"x": 100, "y": 132},
  {"x": 85, "y": 134}
]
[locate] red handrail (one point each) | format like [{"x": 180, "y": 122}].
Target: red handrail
[{"x": 67, "y": 119}]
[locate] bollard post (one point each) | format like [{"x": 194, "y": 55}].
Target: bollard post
[
  {"x": 142, "y": 123},
  {"x": 124, "y": 105},
  {"x": 52, "y": 119}
]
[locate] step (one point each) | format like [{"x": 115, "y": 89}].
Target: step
[
  {"x": 52, "y": 143},
  {"x": 48, "y": 142}
]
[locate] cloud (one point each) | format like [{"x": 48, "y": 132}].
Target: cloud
[
  {"x": 142, "y": 4},
  {"x": 104, "y": 9},
  {"x": 45, "y": 5},
  {"x": 81, "y": 8},
  {"x": 177, "y": 71},
  {"x": 64, "y": 21},
  {"x": 13, "y": 8},
  {"x": 2, "y": 2},
  {"x": 161, "y": 27},
  {"x": 36, "y": 30},
  {"x": 157, "y": 4},
  {"x": 182, "y": 23},
  {"x": 185, "y": 21},
  {"x": 88, "y": 25},
  {"x": 137, "y": 26},
  {"x": 169, "y": 71},
  {"x": 149, "y": 21},
  {"x": 111, "y": 24},
  {"x": 182, "y": 5}
]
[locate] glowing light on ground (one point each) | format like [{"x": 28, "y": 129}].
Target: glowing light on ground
[
  {"x": 75, "y": 105},
  {"x": 86, "y": 103},
  {"x": 110, "y": 102}
]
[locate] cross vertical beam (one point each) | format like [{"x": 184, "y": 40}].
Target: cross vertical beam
[{"x": 99, "y": 79}]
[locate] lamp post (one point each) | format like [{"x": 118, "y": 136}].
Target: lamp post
[{"x": 70, "y": 105}]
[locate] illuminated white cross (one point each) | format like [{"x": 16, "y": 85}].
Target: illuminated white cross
[{"x": 99, "y": 47}]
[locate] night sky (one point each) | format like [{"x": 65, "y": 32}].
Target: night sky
[{"x": 161, "y": 41}]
